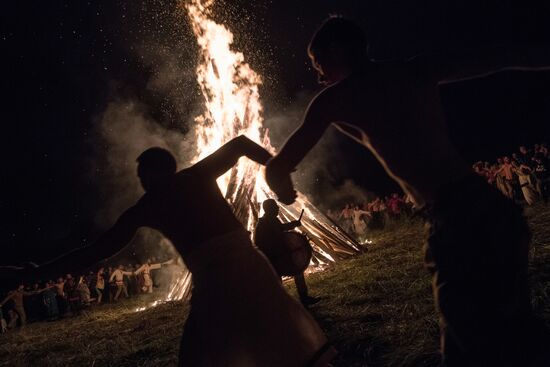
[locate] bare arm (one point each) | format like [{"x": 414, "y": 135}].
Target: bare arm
[
  {"x": 291, "y": 225},
  {"x": 219, "y": 162},
  {"x": 458, "y": 65},
  {"x": 111, "y": 242},
  {"x": 10, "y": 296},
  {"x": 302, "y": 140}
]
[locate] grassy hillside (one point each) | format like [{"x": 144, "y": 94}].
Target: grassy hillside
[{"x": 377, "y": 309}]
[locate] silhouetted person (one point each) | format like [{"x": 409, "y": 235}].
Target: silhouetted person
[
  {"x": 269, "y": 238},
  {"x": 240, "y": 314},
  {"x": 478, "y": 257}
]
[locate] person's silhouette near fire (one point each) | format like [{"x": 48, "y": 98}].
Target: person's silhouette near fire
[
  {"x": 269, "y": 238},
  {"x": 240, "y": 313}
]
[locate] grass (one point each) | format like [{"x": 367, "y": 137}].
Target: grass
[{"x": 377, "y": 309}]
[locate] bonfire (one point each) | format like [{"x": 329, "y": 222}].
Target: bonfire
[{"x": 232, "y": 107}]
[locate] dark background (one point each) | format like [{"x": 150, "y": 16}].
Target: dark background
[{"x": 63, "y": 61}]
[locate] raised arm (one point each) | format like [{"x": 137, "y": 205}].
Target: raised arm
[
  {"x": 291, "y": 225},
  {"x": 140, "y": 270},
  {"x": 10, "y": 296},
  {"x": 302, "y": 140},
  {"x": 464, "y": 64},
  {"x": 110, "y": 243},
  {"x": 219, "y": 162}
]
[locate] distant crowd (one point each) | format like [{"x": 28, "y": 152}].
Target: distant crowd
[
  {"x": 72, "y": 295},
  {"x": 523, "y": 176},
  {"x": 356, "y": 219}
]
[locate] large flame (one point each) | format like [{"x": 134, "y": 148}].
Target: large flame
[
  {"x": 233, "y": 107},
  {"x": 231, "y": 98}
]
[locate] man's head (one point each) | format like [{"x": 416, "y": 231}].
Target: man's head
[
  {"x": 506, "y": 159},
  {"x": 271, "y": 208},
  {"x": 523, "y": 150},
  {"x": 155, "y": 165},
  {"x": 336, "y": 49},
  {"x": 121, "y": 267}
]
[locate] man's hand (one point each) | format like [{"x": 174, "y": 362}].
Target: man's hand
[{"x": 278, "y": 179}]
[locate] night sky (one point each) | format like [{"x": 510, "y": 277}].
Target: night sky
[{"x": 63, "y": 62}]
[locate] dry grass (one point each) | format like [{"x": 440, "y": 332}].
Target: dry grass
[
  {"x": 109, "y": 335},
  {"x": 377, "y": 310}
]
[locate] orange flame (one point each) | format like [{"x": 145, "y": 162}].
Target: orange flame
[{"x": 231, "y": 95}]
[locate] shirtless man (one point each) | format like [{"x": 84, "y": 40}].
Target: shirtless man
[
  {"x": 478, "y": 258},
  {"x": 146, "y": 270},
  {"x": 17, "y": 296},
  {"x": 240, "y": 314}
]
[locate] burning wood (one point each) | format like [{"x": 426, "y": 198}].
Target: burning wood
[{"x": 232, "y": 107}]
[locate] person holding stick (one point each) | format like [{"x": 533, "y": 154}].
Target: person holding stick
[
  {"x": 478, "y": 258},
  {"x": 269, "y": 238}
]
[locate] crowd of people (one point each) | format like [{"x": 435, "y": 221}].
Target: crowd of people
[
  {"x": 524, "y": 176},
  {"x": 356, "y": 219},
  {"x": 71, "y": 295}
]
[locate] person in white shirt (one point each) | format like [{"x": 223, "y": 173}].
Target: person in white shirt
[{"x": 118, "y": 276}]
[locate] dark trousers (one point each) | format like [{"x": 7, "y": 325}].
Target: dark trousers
[
  {"x": 477, "y": 252},
  {"x": 301, "y": 286}
]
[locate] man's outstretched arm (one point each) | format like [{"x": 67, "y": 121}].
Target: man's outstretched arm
[
  {"x": 108, "y": 244},
  {"x": 464, "y": 64},
  {"x": 219, "y": 162},
  {"x": 302, "y": 140}
]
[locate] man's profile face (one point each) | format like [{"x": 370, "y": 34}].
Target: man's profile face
[
  {"x": 328, "y": 70},
  {"x": 144, "y": 178}
]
